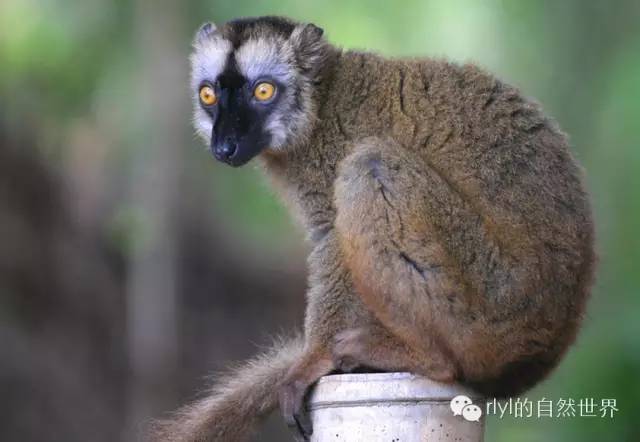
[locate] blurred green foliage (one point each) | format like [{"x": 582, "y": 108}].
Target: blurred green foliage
[{"x": 63, "y": 61}]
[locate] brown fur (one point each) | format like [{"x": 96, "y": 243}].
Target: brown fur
[{"x": 453, "y": 235}]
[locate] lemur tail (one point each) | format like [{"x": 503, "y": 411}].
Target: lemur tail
[{"x": 237, "y": 402}]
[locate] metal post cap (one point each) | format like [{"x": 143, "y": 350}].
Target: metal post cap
[{"x": 393, "y": 407}]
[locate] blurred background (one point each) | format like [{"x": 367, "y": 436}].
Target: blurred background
[{"x": 132, "y": 266}]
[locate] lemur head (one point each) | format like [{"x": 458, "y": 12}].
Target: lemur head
[{"x": 253, "y": 82}]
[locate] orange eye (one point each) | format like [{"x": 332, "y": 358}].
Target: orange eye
[
  {"x": 264, "y": 91},
  {"x": 208, "y": 96}
]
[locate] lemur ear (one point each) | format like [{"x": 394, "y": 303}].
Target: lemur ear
[
  {"x": 313, "y": 30},
  {"x": 310, "y": 47},
  {"x": 205, "y": 31}
]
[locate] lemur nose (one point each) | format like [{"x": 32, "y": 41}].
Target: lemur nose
[
  {"x": 229, "y": 148},
  {"x": 226, "y": 150}
]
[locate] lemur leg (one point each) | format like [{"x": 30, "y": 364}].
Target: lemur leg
[
  {"x": 399, "y": 268},
  {"x": 336, "y": 324},
  {"x": 316, "y": 363},
  {"x": 342, "y": 333}
]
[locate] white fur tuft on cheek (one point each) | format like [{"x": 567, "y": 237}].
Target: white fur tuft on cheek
[
  {"x": 203, "y": 125},
  {"x": 286, "y": 127},
  {"x": 278, "y": 132}
]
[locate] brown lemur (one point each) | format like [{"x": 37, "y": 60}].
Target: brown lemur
[{"x": 452, "y": 235}]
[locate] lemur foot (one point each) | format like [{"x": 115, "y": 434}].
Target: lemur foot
[
  {"x": 294, "y": 389},
  {"x": 292, "y": 398}
]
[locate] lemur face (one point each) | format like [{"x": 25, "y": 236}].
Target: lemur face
[{"x": 251, "y": 89}]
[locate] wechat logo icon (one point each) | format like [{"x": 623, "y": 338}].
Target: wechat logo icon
[{"x": 462, "y": 405}]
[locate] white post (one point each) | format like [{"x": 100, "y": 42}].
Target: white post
[{"x": 393, "y": 407}]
